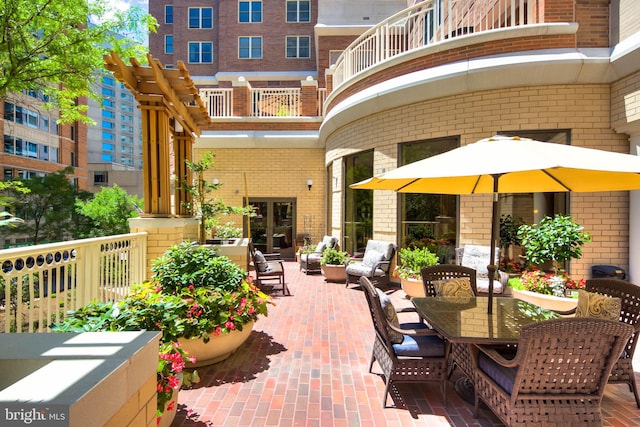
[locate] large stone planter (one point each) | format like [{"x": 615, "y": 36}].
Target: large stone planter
[
  {"x": 412, "y": 287},
  {"x": 546, "y": 301},
  {"x": 169, "y": 414},
  {"x": 334, "y": 273},
  {"x": 217, "y": 349}
]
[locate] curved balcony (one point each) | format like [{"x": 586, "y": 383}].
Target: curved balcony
[{"x": 439, "y": 32}]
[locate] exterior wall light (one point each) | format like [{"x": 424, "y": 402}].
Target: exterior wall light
[{"x": 309, "y": 183}]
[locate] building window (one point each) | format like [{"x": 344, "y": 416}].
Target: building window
[
  {"x": 200, "y": 17},
  {"x": 200, "y": 52},
  {"x": 107, "y": 125},
  {"x": 358, "y": 204},
  {"x": 107, "y": 147},
  {"x": 298, "y": 11},
  {"x": 250, "y": 11},
  {"x": 108, "y": 92},
  {"x": 107, "y": 157},
  {"x": 168, "y": 14},
  {"x": 250, "y": 47},
  {"x": 106, "y": 80},
  {"x": 107, "y": 136},
  {"x": 100, "y": 178},
  {"x": 168, "y": 44},
  {"x": 428, "y": 219},
  {"x": 73, "y": 159},
  {"x": 298, "y": 47},
  {"x": 108, "y": 114}
]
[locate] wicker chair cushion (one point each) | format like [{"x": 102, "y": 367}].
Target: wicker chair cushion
[
  {"x": 359, "y": 269},
  {"x": 502, "y": 375},
  {"x": 261, "y": 261},
  {"x": 592, "y": 304},
  {"x": 420, "y": 346},
  {"x": 391, "y": 315},
  {"x": 320, "y": 248},
  {"x": 482, "y": 285},
  {"x": 371, "y": 257},
  {"x": 454, "y": 288}
]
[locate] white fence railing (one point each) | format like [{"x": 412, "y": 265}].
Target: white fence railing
[
  {"x": 219, "y": 102},
  {"x": 275, "y": 102},
  {"x": 39, "y": 284},
  {"x": 429, "y": 22}
]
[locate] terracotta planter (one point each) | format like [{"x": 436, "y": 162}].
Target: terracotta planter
[
  {"x": 334, "y": 273},
  {"x": 218, "y": 348},
  {"x": 546, "y": 301},
  {"x": 412, "y": 287}
]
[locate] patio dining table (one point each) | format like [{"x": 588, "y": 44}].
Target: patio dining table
[{"x": 465, "y": 321}]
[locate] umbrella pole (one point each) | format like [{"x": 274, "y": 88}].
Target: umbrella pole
[{"x": 492, "y": 267}]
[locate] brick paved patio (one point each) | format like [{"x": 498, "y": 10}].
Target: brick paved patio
[{"x": 306, "y": 364}]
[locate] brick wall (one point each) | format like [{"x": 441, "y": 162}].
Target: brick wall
[
  {"x": 625, "y": 101},
  {"x": 584, "y": 109}
]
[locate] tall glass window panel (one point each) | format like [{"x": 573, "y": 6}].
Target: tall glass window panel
[
  {"x": 9, "y": 146},
  {"x": 429, "y": 220},
  {"x": 358, "y": 204},
  {"x": 168, "y": 14},
  {"x": 250, "y": 47},
  {"x": 530, "y": 208},
  {"x": 168, "y": 44},
  {"x": 298, "y": 11},
  {"x": 250, "y": 11},
  {"x": 298, "y": 47}
]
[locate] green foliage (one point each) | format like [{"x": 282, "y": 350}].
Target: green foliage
[
  {"x": 333, "y": 256},
  {"x": 202, "y": 201},
  {"x": 556, "y": 239},
  {"x": 48, "y": 208},
  {"x": 109, "y": 212},
  {"x": 49, "y": 46},
  {"x": 412, "y": 260},
  {"x": 509, "y": 231},
  {"x": 227, "y": 230}
]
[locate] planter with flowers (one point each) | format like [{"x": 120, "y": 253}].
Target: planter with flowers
[
  {"x": 411, "y": 261},
  {"x": 333, "y": 264},
  {"x": 543, "y": 290}
]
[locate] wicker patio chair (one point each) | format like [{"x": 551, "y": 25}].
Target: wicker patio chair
[
  {"x": 557, "y": 376},
  {"x": 267, "y": 269},
  {"x": 311, "y": 261},
  {"x": 459, "y": 352},
  {"x": 375, "y": 264},
  {"x": 477, "y": 257},
  {"x": 420, "y": 355},
  {"x": 629, "y": 295}
]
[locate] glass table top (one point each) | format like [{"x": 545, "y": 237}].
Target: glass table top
[{"x": 465, "y": 319}]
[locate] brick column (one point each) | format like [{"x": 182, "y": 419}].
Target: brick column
[
  {"x": 309, "y": 97},
  {"x": 241, "y": 98}
]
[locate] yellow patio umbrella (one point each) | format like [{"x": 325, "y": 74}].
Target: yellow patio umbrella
[{"x": 503, "y": 164}]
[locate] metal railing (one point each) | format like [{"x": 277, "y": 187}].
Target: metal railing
[
  {"x": 429, "y": 22},
  {"x": 39, "y": 284}
]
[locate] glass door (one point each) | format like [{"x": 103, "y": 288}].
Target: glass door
[{"x": 273, "y": 226}]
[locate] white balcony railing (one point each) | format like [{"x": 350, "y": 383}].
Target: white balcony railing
[
  {"x": 429, "y": 22},
  {"x": 39, "y": 284},
  {"x": 275, "y": 102},
  {"x": 219, "y": 102}
]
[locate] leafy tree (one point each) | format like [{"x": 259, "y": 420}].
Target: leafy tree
[
  {"x": 48, "y": 208},
  {"x": 7, "y": 201},
  {"x": 108, "y": 211},
  {"x": 56, "y": 47}
]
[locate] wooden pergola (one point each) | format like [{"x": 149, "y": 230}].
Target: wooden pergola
[{"x": 172, "y": 114}]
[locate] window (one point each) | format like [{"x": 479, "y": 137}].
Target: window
[
  {"x": 44, "y": 123},
  {"x": 200, "y": 17},
  {"x": 200, "y": 52},
  {"x": 106, "y": 102},
  {"x": 250, "y": 47},
  {"x": 298, "y": 47},
  {"x": 32, "y": 150},
  {"x": 107, "y": 125},
  {"x": 107, "y": 147},
  {"x": 8, "y": 111},
  {"x": 100, "y": 178},
  {"x": 108, "y": 92},
  {"x": 358, "y": 204},
  {"x": 9, "y": 147},
  {"x": 250, "y": 11},
  {"x": 428, "y": 218},
  {"x": 108, "y": 114},
  {"x": 32, "y": 119},
  {"x": 107, "y": 157},
  {"x": 110, "y": 81},
  {"x": 107, "y": 136},
  {"x": 168, "y": 44},
  {"x": 298, "y": 11},
  {"x": 168, "y": 14}
]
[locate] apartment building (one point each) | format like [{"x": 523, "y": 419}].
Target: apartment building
[{"x": 397, "y": 81}]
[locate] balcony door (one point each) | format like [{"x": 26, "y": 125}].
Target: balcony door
[{"x": 273, "y": 225}]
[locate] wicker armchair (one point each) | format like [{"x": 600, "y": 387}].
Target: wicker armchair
[
  {"x": 420, "y": 357},
  {"x": 629, "y": 295},
  {"x": 375, "y": 264},
  {"x": 434, "y": 273},
  {"x": 477, "y": 257},
  {"x": 311, "y": 261},
  {"x": 557, "y": 376}
]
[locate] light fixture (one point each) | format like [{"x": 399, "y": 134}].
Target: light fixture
[
  {"x": 309, "y": 183},
  {"x": 215, "y": 181}
]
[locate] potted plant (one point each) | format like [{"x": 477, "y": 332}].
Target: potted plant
[
  {"x": 411, "y": 261},
  {"x": 538, "y": 288},
  {"x": 555, "y": 239},
  {"x": 333, "y": 264}
]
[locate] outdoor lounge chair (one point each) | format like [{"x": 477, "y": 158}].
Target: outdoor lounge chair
[
  {"x": 268, "y": 269},
  {"x": 558, "y": 374},
  {"x": 477, "y": 257},
  {"x": 629, "y": 295},
  {"x": 311, "y": 261},
  {"x": 408, "y": 352},
  {"x": 375, "y": 264}
]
